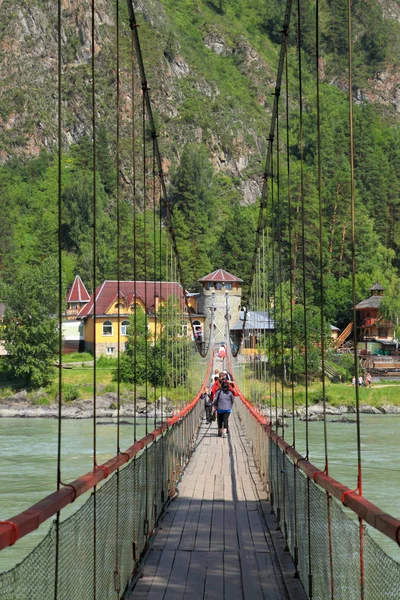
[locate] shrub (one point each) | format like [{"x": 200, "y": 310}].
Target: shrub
[
  {"x": 111, "y": 387},
  {"x": 41, "y": 401},
  {"x": 105, "y": 362},
  {"x": 71, "y": 392}
]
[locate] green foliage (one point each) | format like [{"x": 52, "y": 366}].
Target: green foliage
[
  {"x": 30, "y": 329},
  {"x": 77, "y": 357},
  {"x": 135, "y": 361},
  {"x": 71, "y": 392}
]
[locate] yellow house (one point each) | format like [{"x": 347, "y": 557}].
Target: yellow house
[{"x": 109, "y": 309}]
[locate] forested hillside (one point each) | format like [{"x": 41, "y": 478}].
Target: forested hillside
[{"x": 211, "y": 66}]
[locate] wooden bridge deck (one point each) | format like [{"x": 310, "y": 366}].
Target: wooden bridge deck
[{"x": 218, "y": 539}]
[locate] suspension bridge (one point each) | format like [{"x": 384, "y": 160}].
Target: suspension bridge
[{"x": 184, "y": 513}]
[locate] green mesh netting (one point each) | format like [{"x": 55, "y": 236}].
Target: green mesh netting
[
  {"x": 100, "y": 544},
  {"x": 302, "y": 509}
]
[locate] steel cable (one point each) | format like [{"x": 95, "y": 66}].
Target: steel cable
[
  {"x": 353, "y": 285},
  {"x": 60, "y": 300}
]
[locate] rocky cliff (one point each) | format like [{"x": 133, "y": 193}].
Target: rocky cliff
[{"x": 211, "y": 76}]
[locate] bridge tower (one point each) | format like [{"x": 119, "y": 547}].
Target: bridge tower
[{"x": 220, "y": 291}]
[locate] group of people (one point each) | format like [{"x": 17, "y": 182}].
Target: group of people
[
  {"x": 361, "y": 383},
  {"x": 218, "y": 401}
]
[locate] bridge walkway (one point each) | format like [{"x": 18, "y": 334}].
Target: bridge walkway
[{"x": 218, "y": 539}]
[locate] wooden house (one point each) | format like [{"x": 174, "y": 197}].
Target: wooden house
[{"x": 370, "y": 325}]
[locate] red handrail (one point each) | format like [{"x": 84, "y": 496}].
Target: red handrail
[
  {"x": 27, "y": 521},
  {"x": 371, "y": 514}
]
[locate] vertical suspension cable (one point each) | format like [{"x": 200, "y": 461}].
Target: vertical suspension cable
[
  {"x": 303, "y": 254},
  {"x": 281, "y": 348},
  {"x": 156, "y": 304},
  {"x": 156, "y": 325},
  {"x": 134, "y": 224},
  {"x": 268, "y": 227},
  {"x": 353, "y": 284},
  {"x": 264, "y": 304},
  {"x": 320, "y": 232},
  {"x": 291, "y": 333},
  {"x": 146, "y": 357},
  {"x": 303, "y": 251},
  {"x": 60, "y": 303},
  {"x": 322, "y": 298},
  {"x": 94, "y": 267},
  {"x": 117, "y": 574},
  {"x": 163, "y": 346},
  {"x": 134, "y": 300},
  {"x": 280, "y": 272},
  {"x": 273, "y": 236}
]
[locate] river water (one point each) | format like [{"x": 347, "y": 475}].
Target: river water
[{"x": 28, "y": 468}]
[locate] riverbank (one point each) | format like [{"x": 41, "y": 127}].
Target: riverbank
[{"x": 20, "y": 405}]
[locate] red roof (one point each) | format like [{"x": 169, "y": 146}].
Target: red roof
[
  {"x": 78, "y": 292},
  {"x": 220, "y": 276},
  {"x": 146, "y": 291}
]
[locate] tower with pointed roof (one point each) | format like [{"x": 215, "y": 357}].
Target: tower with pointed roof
[
  {"x": 77, "y": 298},
  {"x": 220, "y": 296}
]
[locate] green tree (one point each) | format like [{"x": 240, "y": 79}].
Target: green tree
[
  {"x": 135, "y": 362},
  {"x": 193, "y": 210},
  {"x": 30, "y": 330}
]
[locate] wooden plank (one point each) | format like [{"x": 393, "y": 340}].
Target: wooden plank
[
  {"x": 214, "y": 585},
  {"x": 228, "y": 491},
  {"x": 217, "y": 527},
  {"x": 268, "y": 577},
  {"x": 204, "y": 524},
  {"x": 161, "y": 578},
  {"x": 219, "y": 488},
  {"x": 257, "y": 532},
  {"x": 196, "y": 577},
  {"x": 231, "y": 543},
  {"x": 190, "y": 528},
  {"x": 175, "y": 533},
  {"x": 177, "y": 580},
  {"x": 243, "y": 528},
  {"x": 232, "y": 577},
  {"x": 166, "y": 524},
  {"x": 148, "y": 573},
  {"x": 251, "y": 578}
]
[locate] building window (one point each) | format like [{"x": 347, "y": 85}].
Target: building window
[
  {"x": 110, "y": 350},
  {"x": 228, "y": 286},
  {"x": 184, "y": 331},
  {"x": 119, "y": 306},
  {"x": 124, "y": 327},
  {"x": 107, "y": 328}
]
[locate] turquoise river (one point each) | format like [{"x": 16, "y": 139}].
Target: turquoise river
[{"x": 28, "y": 449}]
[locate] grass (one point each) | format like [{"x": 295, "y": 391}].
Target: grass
[
  {"x": 337, "y": 394},
  {"x": 77, "y": 357}
]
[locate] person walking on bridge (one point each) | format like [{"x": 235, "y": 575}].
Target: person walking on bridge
[
  {"x": 205, "y": 396},
  {"x": 223, "y": 404}
]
